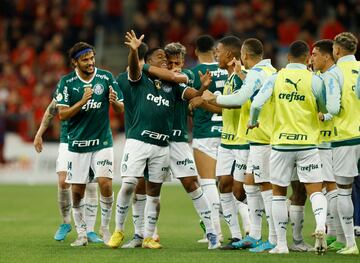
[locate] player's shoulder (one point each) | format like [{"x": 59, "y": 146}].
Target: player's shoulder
[
  {"x": 102, "y": 73},
  {"x": 68, "y": 78}
]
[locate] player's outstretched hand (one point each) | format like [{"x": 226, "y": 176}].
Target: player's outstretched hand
[
  {"x": 112, "y": 95},
  {"x": 208, "y": 96},
  {"x": 205, "y": 79},
  {"x": 132, "y": 41},
  {"x": 195, "y": 102},
  {"x": 38, "y": 142}
]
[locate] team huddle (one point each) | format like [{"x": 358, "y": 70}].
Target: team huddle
[{"x": 255, "y": 131}]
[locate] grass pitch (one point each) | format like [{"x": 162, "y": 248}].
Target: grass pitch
[{"x": 29, "y": 218}]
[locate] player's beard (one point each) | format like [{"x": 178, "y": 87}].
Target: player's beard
[{"x": 88, "y": 70}]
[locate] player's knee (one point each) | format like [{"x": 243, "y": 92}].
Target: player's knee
[{"x": 225, "y": 184}]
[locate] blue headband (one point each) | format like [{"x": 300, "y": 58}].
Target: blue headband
[{"x": 81, "y": 52}]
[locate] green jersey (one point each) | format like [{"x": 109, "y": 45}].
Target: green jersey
[
  {"x": 63, "y": 124},
  {"x": 207, "y": 124},
  {"x": 89, "y": 130},
  {"x": 122, "y": 80},
  {"x": 180, "y": 127},
  {"x": 153, "y": 110}
]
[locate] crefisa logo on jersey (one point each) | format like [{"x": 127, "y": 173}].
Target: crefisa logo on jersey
[{"x": 98, "y": 89}]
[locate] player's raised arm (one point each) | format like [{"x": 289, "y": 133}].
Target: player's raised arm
[
  {"x": 165, "y": 74},
  {"x": 49, "y": 114},
  {"x": 133, "y": 59}
]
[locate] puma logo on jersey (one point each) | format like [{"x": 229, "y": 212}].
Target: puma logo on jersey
[
  {"x": 159, "y": 100},
  {"x": 91, "y": 104},
  {"x": 353, "y": 71},
  {"x": 292, "y": 83},
  {"x": 77, "y": 89}
]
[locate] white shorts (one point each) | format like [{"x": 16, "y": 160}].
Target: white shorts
[
  {"x": 209, "y": 146},
  {"x": 308, "y": 166},
  {"x": 326, "y": 165},
  {"x": 259, "y": 158},
  {"x": 345, "y": 159},
  {"x": 138, "y": 154},
  {"x": 232, "y": 162},
  {"x": 182, "y": 162},
  {"x": 101, "y": 162},
  {"x": 61, "y": 161}
]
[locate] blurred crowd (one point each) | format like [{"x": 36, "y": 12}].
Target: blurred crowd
[
  {"x": 276, "y": 22},
  {"x": 35, "y": 35}
]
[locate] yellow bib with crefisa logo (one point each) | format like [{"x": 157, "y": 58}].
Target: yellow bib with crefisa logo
[
  {"x": 295, "y": 110},
  {"x": 347, "y": 122},
  {"x": 326, "y": 127},
  {"x": 231, "y": 118},
  {"x": 263, "y": 133}
]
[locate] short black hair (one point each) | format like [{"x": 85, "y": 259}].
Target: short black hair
[
  {"x": 142, "y": 49},
  {"x": 149, "y": 53},
  {"x": 347, "y": 41},
  {"x": 325, "y": 46},
  {"x": 298, "y": 49},
  {"x": 205, "y": 43},
  {"x": 78, "y": 47},
  {"x": 254, "y": 47},
  {"x": 233, "y": 44}
]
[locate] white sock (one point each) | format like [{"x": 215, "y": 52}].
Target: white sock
[
  {"x": 319, "y": 207},
  {"x": 202, "y": 207},
  {"x": 230, "y": 214},
  {"x": 253, "y": 196},
  {"x": 243, "y": 210},
  {"x": 79, "y": 218},
  {"x": 64, "y": 200},
  {"x": 212, "y": 195},
  {"x": 91, "y": 206},
  {"x": 330, "y": 222},
  {"x": 267, "y": 198},
  {"x": 346, "y": 212},
  {"x": 106, "y": 209},
  {"x": 138, "y": 207},
  {"x": 151, "y": 215},
  {"x": 297, "y": 213},
  {"x": 340, "y": 236},
  {"x": 280, "y": 216},
  {"x": 123, "y": 202}
]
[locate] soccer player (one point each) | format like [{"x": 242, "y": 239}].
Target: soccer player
[
  {"x": 323, "y": 62},
  {"x": 259, "y": 70},
  {"x": 297, "y": 93},
  {"x": 83, "y": 99},
  {"x": 124, "y": 195},
  {"x": 233, "y": 151},
  {"x": 182, "y": 164},
  {"x": 207, "y": 127},
  {"x": 150, "y": 131},
  {"x": 64, "y": 191},
  {"x": 346, "y": 140}
]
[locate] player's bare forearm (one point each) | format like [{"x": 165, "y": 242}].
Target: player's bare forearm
[
  {"x": 66, "y": 113},
  {"x": 168, "y": 75},
  {"x": 211, "y": 108},
  {"x": 118, "y": 106},
  {"x": 134, "y": 67},
  {"x": 49, "y": 114}
]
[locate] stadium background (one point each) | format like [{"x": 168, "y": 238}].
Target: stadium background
[{"x": 36, "y": 34}]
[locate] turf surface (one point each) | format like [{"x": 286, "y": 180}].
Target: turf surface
[{"x": 29, "y": 217}]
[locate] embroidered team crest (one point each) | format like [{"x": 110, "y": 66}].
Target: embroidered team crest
[
  {"x": 166, "y": 88},
  {"x": 157, "y": 84},
  {"x": 98, "y": 89}
]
